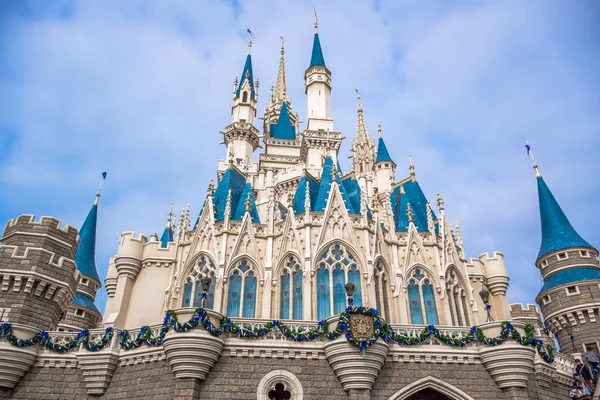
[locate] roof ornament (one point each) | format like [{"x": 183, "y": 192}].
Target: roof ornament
[
  {"x": 248, "y": 203},
  {"x": 440, "y": 202},
  {"x": 100, "y": 188},
  {"x": 290, "y": 199},
  {"x": 430, "y": 224},
  {"x": 530, "y": 154},
  {"x": 459, "y": 240},
  {"x": 236, "y": 82},
  {"x": 362, "y": 130},
  {"x": 250, "y": 40},
  {"x": 307, "y": 198},
  {"x": 411, "y": 167},
  {"x": 281, "y": 89},
  {"x": 316, "y": 21},
  {"x": 379, "y": 129},
  {"x": 409, "y": 213},
  {"x": 170, "y": 217},
  {"x": 211, "y": 187}
]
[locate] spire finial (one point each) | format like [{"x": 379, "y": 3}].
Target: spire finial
[
  {"x": 409, "y": 213},
  {"x": 316, "y": 22},
  {"x": 379, "y": 129},
  {"x": 290, "y": 199},
  {"x": 170, "y": 216},
  {"x": 333, "y": 172},
  {"x": 411, "y": 167},
  {"x": 100, "y": 188},
  {"x": 250, "y": 40},
  {"x": 459, "y": 240},
  {"x": 530, "y": 154},
  {"x": 362, "y": 130},
  {"x": 248, "y": 203},
  {"x": 211, "y": 187},
  {"x": 430, "y": 225},
  {"x": 281, "y": 89},
  {"x": 440, "y": 202}
]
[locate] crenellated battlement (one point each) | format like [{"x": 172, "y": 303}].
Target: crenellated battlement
[
  {"x": 518, "y": 310},
  {"x": 46, "y": 233}
]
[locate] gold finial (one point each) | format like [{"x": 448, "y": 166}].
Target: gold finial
[
  {"x": 530, "y": 154},
  {"x": 170, "y": 216},
  {"x": 409, "y": 213},
  {"x": 316, "y": 21},
  {"x": 379, "y": 129},
  {"x": 440, "y": 202},
  {"x": 211, "y": 187},
  {"x": 248, "y": 203},
  {"x": 100, "y": 188},
  {"x": 411, "y": 166}
]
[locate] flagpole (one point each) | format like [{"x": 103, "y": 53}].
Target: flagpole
[
  {"x": 530, "y": 154},
  {"x": 100, "y": 188}
]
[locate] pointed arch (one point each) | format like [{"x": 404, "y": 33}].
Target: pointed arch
[
  {"x": 457, "y": 297},
  {"x": 201, "y": 266},
  {"x": 244, "y": 256},
  {"x": 289, "y": 290},
  {"x": 382, "y": 283},
  {"x": 420, "y": 287},
  {"x": 242, "y": 284},
  {"x": 430, "y": 382},
  {"x": 428, "y": 271},
  {"x": 336, "y": 264}
]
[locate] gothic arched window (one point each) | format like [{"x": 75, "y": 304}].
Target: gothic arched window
[
  {"x": 192, "y": 288},
  {"x": 421, "y": 299},
  {"x": 241, "y": 298},
  {"x": 245, "y": 97},
  {"x": 457, "y": 299},
  {"x": 291, "y": 290},
  {"x": 380, "y": 282},
  {"x": 336, "y": 267}
]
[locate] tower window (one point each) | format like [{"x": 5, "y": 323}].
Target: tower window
[
  {"x": 244, "y": 97},
  {"x": 572, "y": 290},
  {"x": 562, "y": 256},
  {"x": 79, "y": 313},
  {"x": 545, "y": 263},
  {"x": 546, "y": 299},
  {"x": 85, "y": 281},
  {"x": 584, "y": 253}
]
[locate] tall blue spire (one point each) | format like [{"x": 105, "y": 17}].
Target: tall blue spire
[
  {"x": 316, "y": 58},
  {"x": 557, "y": 231},
  {"x": 382, "y": 152},
  {"x": 283, "y": 129}
]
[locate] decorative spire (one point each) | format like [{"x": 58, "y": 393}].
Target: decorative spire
[
  {"x": 316, "y": 22},
  {"x": 247, "y": 72},
  {"x": 280, "y": 88},
  {"x": 409, "y": 213},
  {"x": 307, "y": 197},
  {"x": 290, "y": 199},
  {"x": 530, "y": 154},
  {"x": 211, "y": 188},
  {"x": 170, "y": 216},
  {"x": 557, "y": 231},
  {"x": 459, "y": 240},
  {"x": 248, "y": 203},
  {"x": 379, "y": 129},
  {"x": 251, "y": 34},
  {"x": 362, "y": 130},
  {"x": 411, "y": 167},
  {"x": 440, "y": 203},
  {"x": 228, "y": 205},
  {"x": 85, "y": 257},
  {"x": 430, "y": 224},
  {"x": 167, "y": 235},
  {"x": 100, "y": 188},
  {"x": 382, "y": 152},
  {"x": 317, "y": 54}
]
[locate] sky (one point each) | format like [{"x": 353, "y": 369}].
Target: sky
[{"x": 141, "y": 89}]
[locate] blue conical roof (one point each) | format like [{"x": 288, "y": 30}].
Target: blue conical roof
[
  {"x": 247, "y": 71},
  {"x": 317, "y": 54},
  {"x": 240, "y": 210},
  {"x": 325, "y": 187},
  {"x": 166, "y": 237},
  {"x": 86, "y": 252},
  {"x": 231, "y": 180},
  {"x": 382, "y": 153},
  {"x": 283, "y": 129},
  {"x": 557, "y": 232}
]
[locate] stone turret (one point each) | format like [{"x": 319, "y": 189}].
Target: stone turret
[
  {"x": 39, "y": 276},
  {"x": 571, "y": 273}
]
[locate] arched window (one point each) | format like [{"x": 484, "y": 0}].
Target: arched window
[
  {"x": 336, "y": 267},
  {"x": 245, "y": 97},
  {"x": 457, "y": 299},
  {"x": 380, "y": 282},
  {"x": 421, "y": 299},
  {"x": 241, "y": 298},
  {"x": 291, "y": 290},
  {"x": 192, "y": 288}
]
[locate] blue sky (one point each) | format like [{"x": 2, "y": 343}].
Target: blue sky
[{"x": 142, "y": 88}]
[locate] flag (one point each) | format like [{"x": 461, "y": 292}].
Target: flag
[
  {"x": 250, "y": 32},
  {"x": 357, "y": 92},
  {"x": 528, "y": 147},
  {"x": 104, "y": 175},
  {"x": 281, "y": 37}
]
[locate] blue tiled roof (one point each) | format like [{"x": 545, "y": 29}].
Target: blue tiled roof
[
  {"x": 382, "y": 153},
  {"x": 240, "y": 210},
  {"x": 325, "y": 186},
  {"x": 231, "y": 180},
  {"x": 166, "y": 237},
  {"x": 418, "y": 203},
  {"x": 283, "y": 129},
  {"x": 557, "y": 232},
  {"x": 317, "y": 54},
  {"x": 248, "y": 69},
  {"x": 200, "y": 214},
  {"x": 571, "y": 276},
  {"x": 86, "y": 252},
  {"x": 300, "y": 195},
  {"x": 84, "y": 302},
  {"x": 353, "y": 190}
]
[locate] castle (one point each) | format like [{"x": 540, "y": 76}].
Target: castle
[{"x": 289, "y": 258}]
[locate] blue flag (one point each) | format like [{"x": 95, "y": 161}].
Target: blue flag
[
  {"x": 250, "y": 32},
  {"x": 104, "y": 175}
]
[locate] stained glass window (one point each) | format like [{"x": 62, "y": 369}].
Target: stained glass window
[
  {"x": 233, "y": 299},
  {"x": 414, "y": 299},
  {"x": 187, "y": 294},
  {"x": 285, "y": 295},
  {"x": 430, "y": 307},
  {"x": 193, "y": 292},
  {"x": 323, "y": 293},
  {"x": 297, "y": 278},
  {"x": 241, "y": 298},
  {"x": 249, "y": 295}
]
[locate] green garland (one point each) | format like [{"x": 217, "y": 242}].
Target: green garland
[{"x": 200, "y": 318}]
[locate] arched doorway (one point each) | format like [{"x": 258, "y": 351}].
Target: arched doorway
[{"x": 428, "y": 394}]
